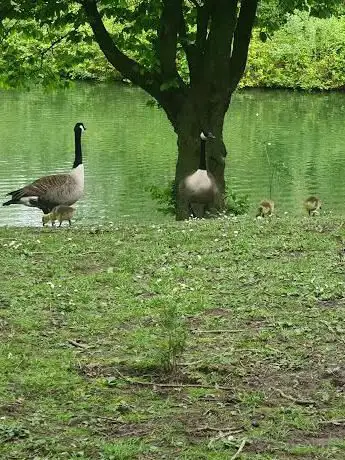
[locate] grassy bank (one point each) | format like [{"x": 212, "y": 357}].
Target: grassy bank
[{"x": 248, "y": 316}]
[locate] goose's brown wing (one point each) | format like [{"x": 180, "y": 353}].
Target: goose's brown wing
[{"x": 41, "y": 186}]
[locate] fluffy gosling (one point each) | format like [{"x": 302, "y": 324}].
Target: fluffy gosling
[
  {"x": 312, "y": 205},
  {"x": 60, "y": 213},
  {"x": 265, "y": 209}
]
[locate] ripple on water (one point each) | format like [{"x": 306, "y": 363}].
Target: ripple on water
[{"x": 129, "y": 146}]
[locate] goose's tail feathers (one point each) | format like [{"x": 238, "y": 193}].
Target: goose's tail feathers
[
  {"x": 7, "y": 203},
  {"x": 16, "y": 195}
]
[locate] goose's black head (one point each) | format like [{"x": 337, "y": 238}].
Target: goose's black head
[
  {"x": 79, "y": 127},
  {"x": 205, "y": 135}
]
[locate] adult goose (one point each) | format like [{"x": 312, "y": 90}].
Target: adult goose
[
  {"x": 198, "y": 191},
  {"x": 58, "y": 189}
]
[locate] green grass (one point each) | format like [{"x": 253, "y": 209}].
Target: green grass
[{"x": 83, "y": 320}]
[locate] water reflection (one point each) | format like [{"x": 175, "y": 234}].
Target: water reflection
[{"x": 128, "y": 146}]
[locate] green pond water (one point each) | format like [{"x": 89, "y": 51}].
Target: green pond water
[{"x": 129, "y": 146}]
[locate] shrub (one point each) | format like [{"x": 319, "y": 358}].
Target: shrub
[
  {"x": 305, "y": 53},
  {"x": 173, "y": 337},
  {"x": 166, "y": 198}
]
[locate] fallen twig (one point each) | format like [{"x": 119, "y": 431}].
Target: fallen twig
[
  {"x": 171, "y": 385},
  {"x": 216, "y": 331},
  {"x": 262, "y": 350},
  {"x": 301, "y": 402},
  {"x": 110, "y": 419},
  {"x": 226, "y": 431},
  {"x": 340, "y": 421},
  {"x": 243, "y": 443},
  {"x": 192, "y": 363},
  {"x": 34, "y": 253},
  {"x": 77, "y": 344}
]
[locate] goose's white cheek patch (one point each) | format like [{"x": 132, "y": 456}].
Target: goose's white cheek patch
[{"x": 29, "y": 200}]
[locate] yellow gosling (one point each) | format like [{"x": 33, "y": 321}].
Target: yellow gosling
[
  {"x": 47, "y": 218},
  {"x": 265, "y": 209},
  {"x": 312, "y": 205},
  {"x": 62, "y": 213},
  {"x": 59, "y": 213}
]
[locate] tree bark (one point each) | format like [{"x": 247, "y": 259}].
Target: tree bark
[
  {"x": 216, "y": 60},
  {"x": 191, "y": 120}
]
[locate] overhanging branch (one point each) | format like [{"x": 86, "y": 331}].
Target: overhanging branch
[
  {"x": 167, "y": 38},
  {"x": 220, "y": 37},
  {"x": 131, "y": 69},
  {"x": 242, "y": 37},
  {"x": 183, "y": 38},
  {"x": 202, "y": 19},
  {"x": 197, "y": 50}
]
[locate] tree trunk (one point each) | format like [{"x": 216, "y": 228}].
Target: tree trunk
[
  {"x": 216, "y": 60},
  {"x": 200, "y": 113}
]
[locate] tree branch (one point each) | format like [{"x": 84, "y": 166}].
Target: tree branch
[
  {"x": 202, "y": 19},
  {"x": 242, "y": 37},
  {"x": 5, "y": 31},
  {"x": 5, "y": 10},
  {"x": 138, "y": 74},
  {"x": 220, "y": 37},
  {"x": 196, "y": 50},
  {"x": 53, "y": 44},
  {"x": 183, "y": 37},
  {"x": 167, "y": 38}
]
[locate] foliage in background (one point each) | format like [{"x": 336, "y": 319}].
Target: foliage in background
[
  {"x": 31, "y": 54},
  {"x": 272, "y": 14},
  {"x": 305, "y": 53}
]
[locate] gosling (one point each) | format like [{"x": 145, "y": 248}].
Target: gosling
[
  {"x": 60, "y": 213},
  {"x": 266, "y": 208},
  {"x": 312, "y": 205}
]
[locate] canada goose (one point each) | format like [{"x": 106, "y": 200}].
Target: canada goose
[
  {"x": 198, "y": 191},
  {"x": 50, "y": 191},
  {"x": 59, "y": 213},
  {"x": 312, "y": 205},
  {"x": 265, "y": 209}
]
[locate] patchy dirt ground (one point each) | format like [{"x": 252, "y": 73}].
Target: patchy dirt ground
[{"x": 200, "y": 340}]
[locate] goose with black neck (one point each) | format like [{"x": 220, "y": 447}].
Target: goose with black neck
[
  {"x": 198, "y": 191},
  {"x": 50, "y": 191}
]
